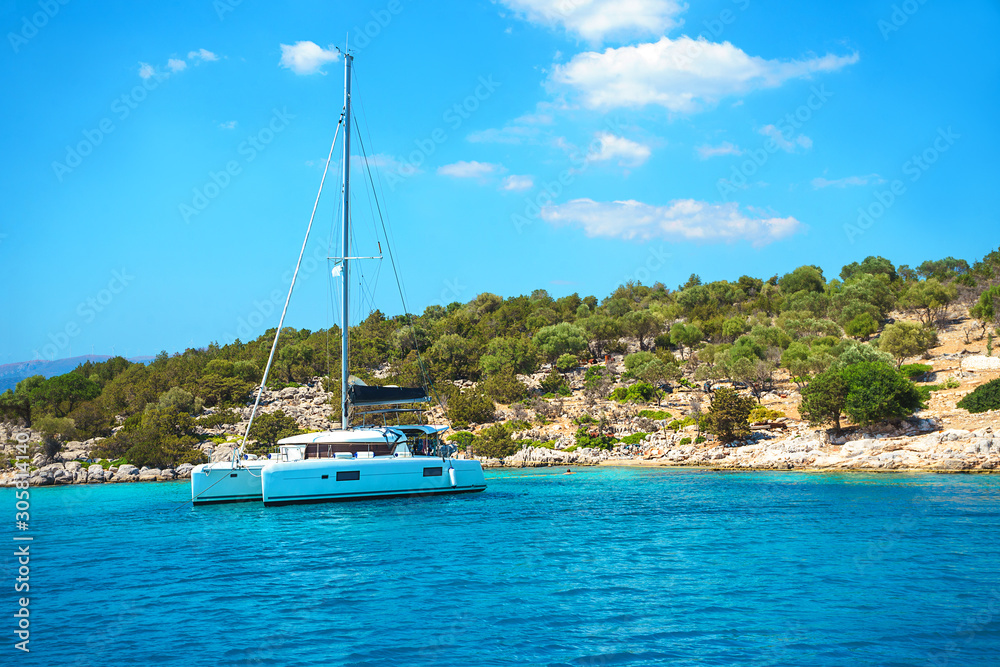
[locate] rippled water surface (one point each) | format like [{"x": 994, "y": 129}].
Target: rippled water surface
[{"x": 608, "y": 566}]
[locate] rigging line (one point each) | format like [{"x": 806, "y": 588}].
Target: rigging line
[
  {"x": 277, "y": 333},
  {"x": 399, "y": 285}
]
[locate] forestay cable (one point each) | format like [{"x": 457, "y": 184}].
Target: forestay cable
[{"x": 281, "y": 321}]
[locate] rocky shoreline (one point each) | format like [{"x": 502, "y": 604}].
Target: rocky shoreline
[{"x": 938, "y": 451}]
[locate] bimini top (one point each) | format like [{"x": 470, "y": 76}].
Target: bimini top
[
  {"x": 428, "y": 429},
  {"x": 359, "y": 393},
  {"x": 351, "y": 437}
]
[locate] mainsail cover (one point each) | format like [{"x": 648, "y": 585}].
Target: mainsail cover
[{"x": 360, "y": 394}]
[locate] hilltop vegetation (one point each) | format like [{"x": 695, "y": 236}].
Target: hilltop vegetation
[{"x": 835, "y": 337}]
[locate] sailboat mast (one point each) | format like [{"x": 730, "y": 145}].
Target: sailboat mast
[{"x": 345, "y": 328}]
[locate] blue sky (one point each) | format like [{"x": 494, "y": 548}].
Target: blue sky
[{"x": 561, "y": 144}]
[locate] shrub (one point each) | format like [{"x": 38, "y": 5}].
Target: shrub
[
  {"x": 63, "y": 427},
  {"x": 678, "y": 424},
  {"x": 269, "y": 428},
  {"x": 504, "y": 387},
  {"x": 655, "y": 414},
  {"x": 518, "y": 425},
  {"x": 181, "y": 399},
  {"x": 555, "y": 383},
  {"x": 462, "y": 438},
  {"x": 584, "y": 419},
  {"x": 640, "y": 392},
  {"x": 566, "y": 362},
  {"x": 471, "y": 407},
  {"x": 913, "y": 371},
  {"x": 700, "y": 439},
  {"x": 727, "y": 416},
  {"x": 50, "y": 445},
  {"x": 633, "y": 439},
  {"x": 218, "y": 419},
  {"x": 595, "y": 439},
  {"x": 877, "y": 392},
  {"x": 985, "y": 397},
  {"x": 494, "y": 442},
  {"x": 685, "y": 441},
  {"x": 762, "y": 414}
]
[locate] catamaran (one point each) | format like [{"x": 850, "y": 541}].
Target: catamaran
[{"x": 348, "y": 463}]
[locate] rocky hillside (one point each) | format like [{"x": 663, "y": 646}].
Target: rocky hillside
[{"x": 941, "y": 438}]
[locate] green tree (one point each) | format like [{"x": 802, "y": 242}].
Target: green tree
[
  {"x": 181, "y": 399},
  {"x": 873, "y": 265},
  {"x": 727, "y": 415},
  {"x": 600, "y": 331},
  {"x": 685, "y": 336},
  {"x": 60, "y": 394},
  {"x": 862, "y": 326},
  {"x": 868, "y": 392},
  {"x": 877, "y": 393},
  {"x": 471, "y": 407},
  {"x": 987, "y": 309},
  {"x": 452, "y": 357},
  {"x": 929, "y": 300},
  {"x": 642, "y": 325},
  {"x": 809, "y": 278},
  {"x": 504, "y": 387},
  {"x": 905, "y": 339},
  {"x": 270, "y": 427},
  {"x": 823, "y": 399},
  {"x": 494, "y": 442},
  {"x": 559, "y": 339},
  {"x": 516, "y": 355}
]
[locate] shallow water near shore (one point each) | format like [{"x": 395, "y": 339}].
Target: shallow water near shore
[{"x": 608, "y": 566}]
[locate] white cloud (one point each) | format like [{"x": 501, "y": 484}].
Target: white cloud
[
  {"x": 202, "y": 54},
  {"x": 473, "y": 169},
  {"x": 228, "y": 125},
  {"x": 820, "y": 182},
  {"x": 681, "y": 75},
  {"x": 680, "y": 220},
  {"x": 385, "y": 163},
  {"x": 610, "y": 147},
  {"x": 175, "y": 65},
  {"x": 524, "y": 129},
  {"x": 306, "y": 57},
  {"x": 594, "y": 20},
  {"x": 515, "y": 183},
  {"x": 788, "y": 144},
  {"x": 725, "y": 148},
  {"x": 146, "y": 70}
]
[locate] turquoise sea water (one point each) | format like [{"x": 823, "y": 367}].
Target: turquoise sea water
[{"x": 610, "y": 566}]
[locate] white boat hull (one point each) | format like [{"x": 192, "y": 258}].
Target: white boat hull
[
  {"x": 220, "y": 482},
  {"x": 332, "y": 480}
]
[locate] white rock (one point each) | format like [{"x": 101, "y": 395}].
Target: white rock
[{"x": 978, "y": 362}]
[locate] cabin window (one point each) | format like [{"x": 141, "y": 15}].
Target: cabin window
[
  {"x": 432, "y": 472},
  {"x": 348, "y": 475}
]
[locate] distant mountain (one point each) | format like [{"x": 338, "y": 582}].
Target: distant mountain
[{"x": 11, "y": 374}]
